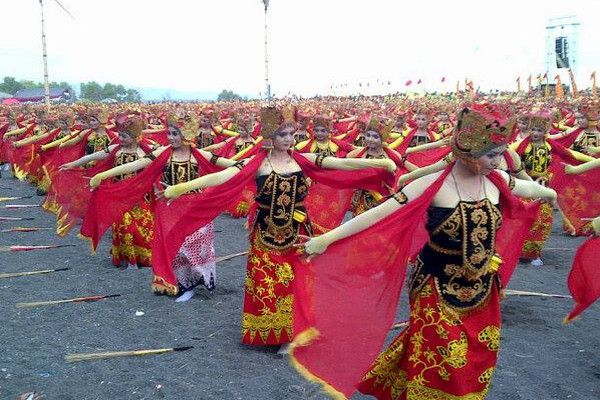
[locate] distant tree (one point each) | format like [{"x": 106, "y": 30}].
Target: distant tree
[
  {"x": 226, "y": 95},
  {"x": 132, "y": 96},
  {"x": 10, "y": 85},
  {"x": 91, "y": 91}
]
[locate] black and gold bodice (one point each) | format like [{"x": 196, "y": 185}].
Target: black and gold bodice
[
  {"x": 281, "y": 212},
  {"x": 587, "y": 139},
  {"x": 176, "y": 172},
  {"x": 205, "y": 138},
  {"x": 418, "y": 140},
  {"x": 324, "y": 149},
  {"x": 459, "y": 254},
  {"x": 242, "y": 146},
  {"x": 364, "y": 200},
  {"x": 124, "y": 158},
  {"x": 359, "y": 141},
  {"x": 96, "y": 143},
  {"x": 63, "y": 133},
  {"x": 536, "y": 160}
]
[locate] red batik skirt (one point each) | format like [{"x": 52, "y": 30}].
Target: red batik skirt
[
  {"x": 539, "y": 232},
  {"x": 268, "y": 294},
  {"x": 440, "y": 355},
  {"x": 132, "y": 237}
]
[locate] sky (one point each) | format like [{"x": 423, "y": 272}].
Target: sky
[{"x": 196, "y": 48}]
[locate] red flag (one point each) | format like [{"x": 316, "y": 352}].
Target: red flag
[
  {"x": 443, "y": 79},
  {"x": 419, "y": 81},
  {"x": 408, "y": 83}
]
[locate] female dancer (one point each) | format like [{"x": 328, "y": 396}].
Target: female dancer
[
  {"x": 179, "y": 162},
  {"x": 278, "y": 219},
  {"x": 132, "y": 235},
  {"x": 376, "y": 134},
  {"x": 450, "y": 347}
]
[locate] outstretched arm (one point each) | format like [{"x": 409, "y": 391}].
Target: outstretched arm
[
  {"x": 532, "y": 190},
  {"x": 427, "y": 146},
  {"x": 219, "y": 161},
  {"x": 422, "y": 171},
  {"x": 73, "y": 140},
  {"x": 210, "y": 180},
  {"x": 579, "y": 169},
  {"x": 318, "y": 245},
  {"x": 32, "y": 139},
  {"x": 97, "y": 156},
  {"x": 125, "y": 168},
  {"x": 56, "y": 142},
  {"x": 351, "y": 163}
]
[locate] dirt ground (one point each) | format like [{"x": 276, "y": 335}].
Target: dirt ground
[{"x": 540, "y": 359}]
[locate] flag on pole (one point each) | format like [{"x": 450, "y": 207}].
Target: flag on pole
[
  {"x": 594, "y": 88},
  {"x": 573, "y": 84},
  {"x": 519, "y": 85},
  {"x": 547, "y": 91},
  {"x": 559, "y": 93},
  {"x": 408, "y": 83},
  {"x": 529, "y": 90}
]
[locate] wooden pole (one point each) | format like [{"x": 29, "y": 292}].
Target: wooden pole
[
  {"x": 267, "y": 86},
  {"x": 45, "y": 59}
]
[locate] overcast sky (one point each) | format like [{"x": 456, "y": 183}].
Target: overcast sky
[{"x": 207, "y": 46}]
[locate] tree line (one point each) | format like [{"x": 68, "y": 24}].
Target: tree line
[{"x": 92, "y": 90}]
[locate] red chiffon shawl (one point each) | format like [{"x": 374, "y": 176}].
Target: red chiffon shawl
[{"x": 350, "y": 293}]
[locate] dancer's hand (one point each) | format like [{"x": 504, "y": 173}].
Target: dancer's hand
[
  {"x": 312, "y": 246},
  {"x": 65, "y": 167},
  {"x": 595, "y": 224},
  {"x": 95, "y": 181}
]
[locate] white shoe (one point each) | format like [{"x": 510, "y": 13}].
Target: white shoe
[
  {"x": 537, "y": 262},
  {"x": 284, "y": 349},
  {"x": 185, "y": 296}
]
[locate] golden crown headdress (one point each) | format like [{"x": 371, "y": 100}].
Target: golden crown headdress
[
  {"x": 539, "y": 120},
  {"x": 131, "y": 123},
  {"x": 477, "y": 131},
  {"x": 590, "y": 109},
  {"x": 189, "y": 128},
  {"x": 322, "y": 120},
  {"x": 270, "y": 119},
  {"x": 380, "y": 125}
]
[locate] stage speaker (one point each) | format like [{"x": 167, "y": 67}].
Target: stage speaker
[{"x": 562, "y": 52}]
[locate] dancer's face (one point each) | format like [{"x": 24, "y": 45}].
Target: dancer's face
[
  {"x": 320, "y": 133},
  {"x": 582, "y": 120},
  {"x": 175, "y": 138},
  {"x": 126, "y": 139},
  {"x": 537, "y": 133},
  {"x": 491, "y": 160},
  {"x": 283, "y": 139},
  {"x": 373, "y": 140},
  {"x": 421, "y": 120},
  {"x": 94, "y": 123}
]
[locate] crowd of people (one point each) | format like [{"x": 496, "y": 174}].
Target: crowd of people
[{"x": 456, "y": 190}]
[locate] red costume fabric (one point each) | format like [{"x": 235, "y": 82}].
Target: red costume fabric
[
  {"x": 351, "y": 292},
  {"x": 584, "y": 278}
]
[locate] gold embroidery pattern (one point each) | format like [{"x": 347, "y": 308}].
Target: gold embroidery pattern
[
  {"x": 124, "y": 158},
  {"x": 264, "y": 292},
  {"x": 415, "y": 391},
  {"x": 536, "y": 160},
  {"x": 491, "y": 336},
  {"x": 486, "y": 377},
  {"x": 454, "y": 354},
  {"x": 278, "y": 229},
  {"x": 388, "y": 373}
]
